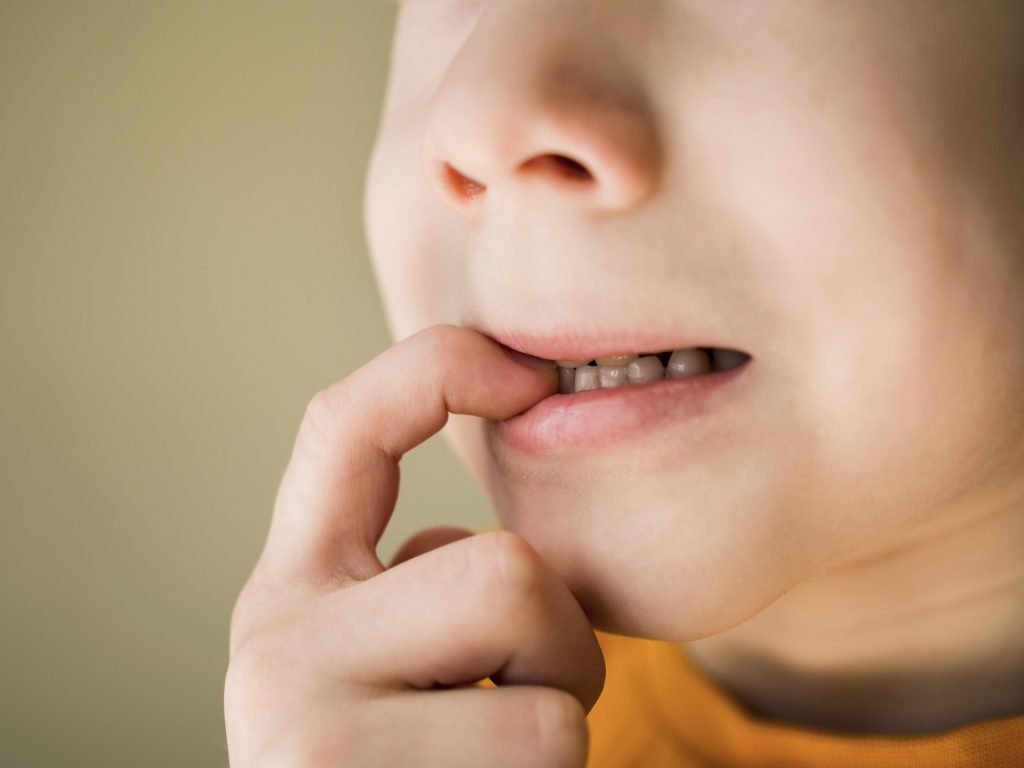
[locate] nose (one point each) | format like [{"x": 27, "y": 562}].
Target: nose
[{"x": 536, "y": 103}]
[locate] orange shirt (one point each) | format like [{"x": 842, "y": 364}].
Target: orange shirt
[{"x": 658, "y": 709}]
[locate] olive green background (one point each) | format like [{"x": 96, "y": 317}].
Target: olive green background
[{"x": 182, "y": 266}]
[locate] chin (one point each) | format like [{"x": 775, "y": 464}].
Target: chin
[{"x": 663, "y": 595}]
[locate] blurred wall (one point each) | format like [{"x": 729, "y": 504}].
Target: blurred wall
[{"x": 182, "y": 266}]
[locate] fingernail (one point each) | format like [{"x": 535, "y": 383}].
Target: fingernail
[{"x": 537, "y": 363}]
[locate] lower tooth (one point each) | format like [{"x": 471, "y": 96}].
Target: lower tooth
[
  {"x": 687, "y": 362},
  {"x": 612, "y": 376},
  {"x": 587, "y": 377}
]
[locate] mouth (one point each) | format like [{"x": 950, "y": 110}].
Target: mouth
[
  {"x": 615, "y": 396},
  {"x": 614, "y": 371}
]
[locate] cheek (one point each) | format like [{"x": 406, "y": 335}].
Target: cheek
[
  {"x": 901, "y": 333},
  {"x": 942, "y": 407},
  {"x": 405, "y": 231},
  {"x": 918, "y": 364},
  {"x": 905, "y": 389}
]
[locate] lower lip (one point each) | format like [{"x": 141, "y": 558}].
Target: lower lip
[{"x": 599, "y": 417}]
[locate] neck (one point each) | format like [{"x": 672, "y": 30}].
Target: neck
[{"x": 921, "y": 638}]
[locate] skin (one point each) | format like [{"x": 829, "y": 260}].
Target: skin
[
  {"x": 337, "y": 660},
  {"x": 834, "y": 188}
]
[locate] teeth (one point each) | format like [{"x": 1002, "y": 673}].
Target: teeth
[
  {"x": 611, "y": 376},
  {"x": 566, "y": 380},
  {"x": 622, "y": 370},
  {"x": 644, "y": 369},
  {"x": 724, "y": 359},
  {"x": 616, "y": 361},
  {"x": 687, "y": 362},
  {"x": 587, "y": 377}
]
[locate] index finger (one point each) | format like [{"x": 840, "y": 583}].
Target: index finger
[{"x": 341, "y": 483}]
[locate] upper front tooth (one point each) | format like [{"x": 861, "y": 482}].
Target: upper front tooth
[
  {"x": 644, "y": 369},
  {"x": 687, "y": 362},
  {"x": 571, "y": 363},
  {"x": 618, "y": 361}
]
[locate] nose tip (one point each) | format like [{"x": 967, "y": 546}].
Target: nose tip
[{"x": 565, "y": 122}]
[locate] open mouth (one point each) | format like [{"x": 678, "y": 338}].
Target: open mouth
[
  {"x": 620, "y": 394},
  {"x": 615, "y": 371}
]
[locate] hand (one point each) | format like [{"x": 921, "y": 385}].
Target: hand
[{"x": 336, "y": 660}]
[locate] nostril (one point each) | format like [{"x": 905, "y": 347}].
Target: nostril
[
  {"x": 564, "y": 166},
  {"x": 464, "y": 190},
  {"x": 461, "y": 186}
]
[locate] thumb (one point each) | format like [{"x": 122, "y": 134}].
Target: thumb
[{"x": 426, "y": 540}]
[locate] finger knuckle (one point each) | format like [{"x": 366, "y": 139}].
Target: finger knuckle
[
  {"x": 561, "y": 729},
  {"x": 268, "y": 681},
  {"x": 507, "y": 567},
  {"x": 254, "y": 661},
  {"x": 321, "y": 418},
  {"x": 254, "y": 606}
]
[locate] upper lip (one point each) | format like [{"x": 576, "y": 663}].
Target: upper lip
[{"x": 588, "y": 343}]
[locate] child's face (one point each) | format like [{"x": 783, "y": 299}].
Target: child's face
[{"x": 835, "y": 188}]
